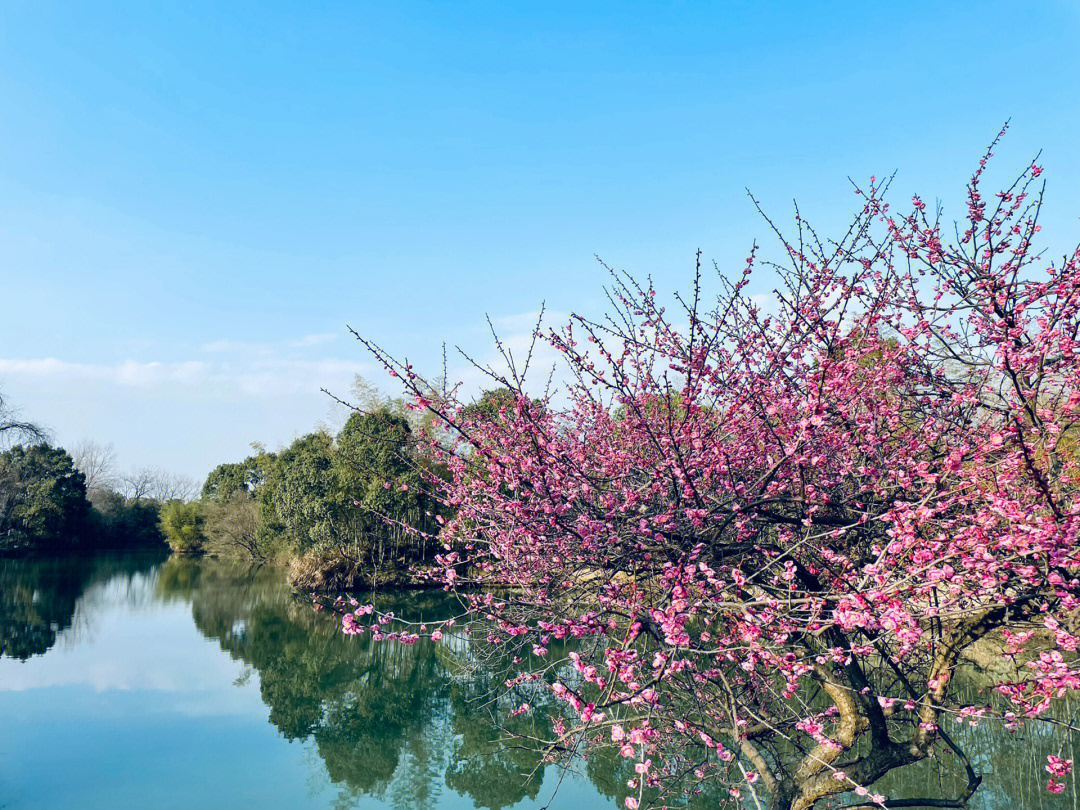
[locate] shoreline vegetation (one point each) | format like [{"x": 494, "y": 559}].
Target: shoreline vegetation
[{"x": 340, "y": 511}]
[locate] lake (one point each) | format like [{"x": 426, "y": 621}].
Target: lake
[{"x": 144, "y": 681}]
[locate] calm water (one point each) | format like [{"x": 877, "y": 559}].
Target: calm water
[{"x": 135, "y": 681}]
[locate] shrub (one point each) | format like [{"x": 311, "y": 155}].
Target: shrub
[{"x": 182, "y": 525}]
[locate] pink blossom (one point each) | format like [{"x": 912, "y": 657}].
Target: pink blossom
[{"x": 725, "y": 509}]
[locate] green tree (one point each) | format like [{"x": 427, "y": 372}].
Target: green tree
[
  {"x": 42, "y": 499},
  {"x": 241, "y": 517},
  {"x": 117, "y": 521},
  {"x": 246, "y": 476},
  {"x": 375, "y": 465},
  {"x": 341, "y": 509},
  {"x": 182, "y": 525},
  {"x": 495, "y": 404},
  {"x": 307, "y": 498},
  {"x": 224, "y": 481}
]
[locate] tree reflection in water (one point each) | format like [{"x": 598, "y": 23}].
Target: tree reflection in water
[
  {"x": 407, "y": 719},
  {"x": 39, "y": 597},
  {"x": 389, "y": 720},
  {"x": 407, "y": 723}
]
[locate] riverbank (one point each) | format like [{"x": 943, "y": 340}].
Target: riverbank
[{"x": 314, "y": 573}]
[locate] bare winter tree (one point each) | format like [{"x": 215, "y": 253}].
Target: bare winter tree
[
  {"x": 13, "y": 429},
  {"x": 173, "y": 487},
  {"x": 137, "y": 484},
  {"x": 97, "y": 462},
  {"x": 233, "y": 527},
  {"x": 150, "y": 483}
]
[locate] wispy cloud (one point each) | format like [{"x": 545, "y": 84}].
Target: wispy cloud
[
  {"x": 236, "y": 347},
  {"x": 127, "y": 373},
  {"x": 184, "y": 411},
  {"x": 262, "y": 376},
  {"x": 251, "y": 347},
  {"x": 280, "y": 377},
  {"x": 515, "y": 333},
  {"x": 320, "y": 339}
]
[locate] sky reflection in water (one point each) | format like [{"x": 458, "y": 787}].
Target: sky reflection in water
[
  {"x": 138, "y": 681},
  {"x": 178, "y": 683}
]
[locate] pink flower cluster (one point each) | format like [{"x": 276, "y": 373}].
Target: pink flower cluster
[{"x": 734, "y": 511}]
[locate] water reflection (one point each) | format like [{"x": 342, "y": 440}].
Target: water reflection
[
  {"x": 182, "y": 682},
  {"x": 386, "y": 719},
  {"x": 38, "y": 598}
]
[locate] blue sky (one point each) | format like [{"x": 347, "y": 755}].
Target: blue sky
[{"x": 197, "y": 198}]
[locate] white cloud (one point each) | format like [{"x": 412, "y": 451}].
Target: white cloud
[
  {"x": 284, "y": 376},
  {"x": 235, "y": 347},
  {"x": 128, "y": 373},
  {"x": 515, "y": 332},
  {"x": 314, "y": 340},
  {"x": 246, "y": 347},
  {"x": 185, "y": 412},
  {"x": 263, "y": 376}
]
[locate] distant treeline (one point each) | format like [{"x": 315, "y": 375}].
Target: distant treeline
[
  {"x": 340, "y": 510},
  {"x": 49, "y": 503},
  {"x": 55, "y": 501}
]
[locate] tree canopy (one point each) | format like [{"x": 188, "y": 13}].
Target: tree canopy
[
  {"x": 788, "y": 535},
  {"x": 341, "y": 509},
  {"x": 42, "y": 498},
  {"x": 53, "y": 501}
]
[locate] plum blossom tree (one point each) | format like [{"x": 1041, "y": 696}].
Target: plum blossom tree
[{"x": 781, "y": 540}]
